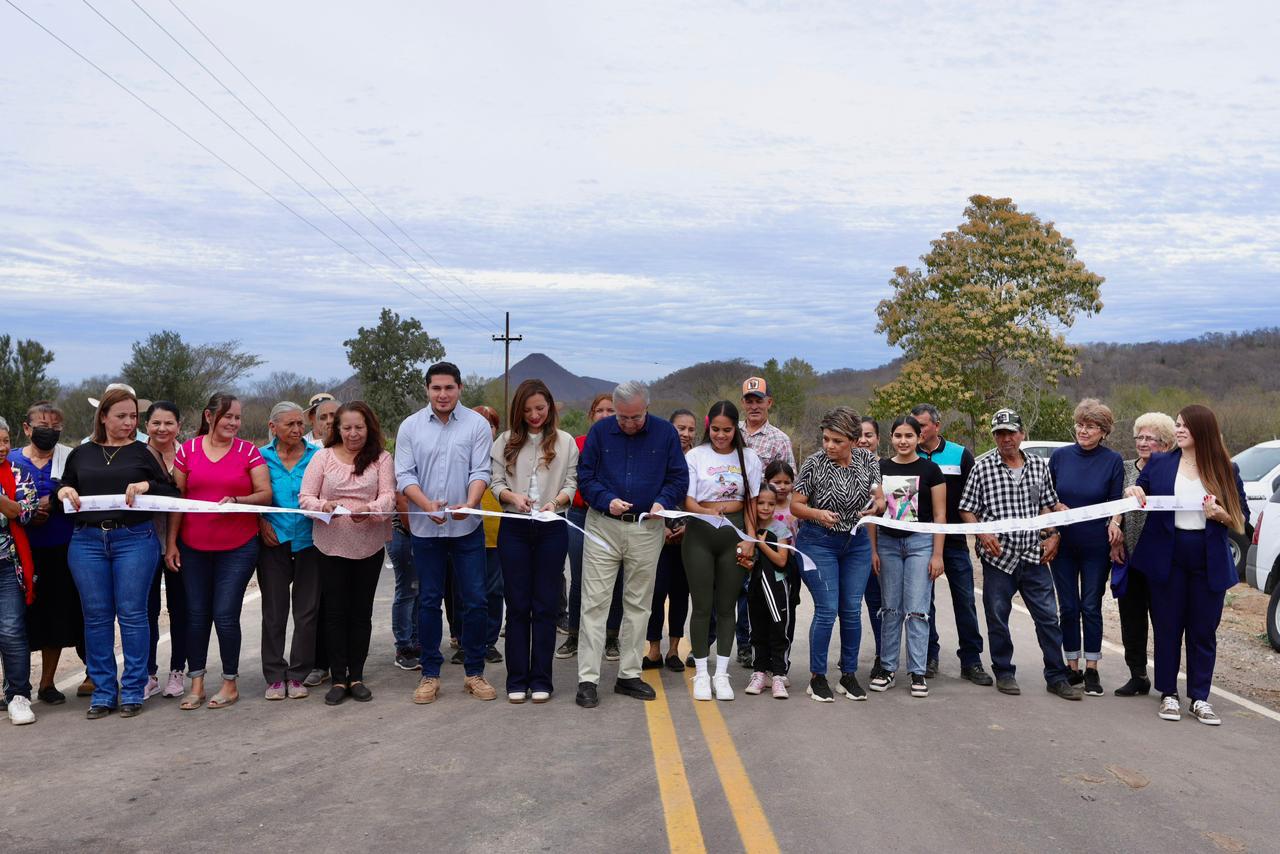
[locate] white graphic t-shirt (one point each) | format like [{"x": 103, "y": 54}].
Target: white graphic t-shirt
[{"x": 718, "y": 477}]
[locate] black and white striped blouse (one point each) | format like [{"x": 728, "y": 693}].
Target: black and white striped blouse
[{"x": 843, "y": 489}]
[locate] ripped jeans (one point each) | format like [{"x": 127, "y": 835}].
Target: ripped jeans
[{"x": 906, "y": 589}]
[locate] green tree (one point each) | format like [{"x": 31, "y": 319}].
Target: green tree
[
  {"x": 789, "y": 385},
  {"x": 23, "y": 380},
  {"x": 981, "y": 326},
  {"x": 389, "y": 360},
  {"x": 165, "y": 367}
]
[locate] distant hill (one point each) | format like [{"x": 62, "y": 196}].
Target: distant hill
[{"x": 567, "y": 387}]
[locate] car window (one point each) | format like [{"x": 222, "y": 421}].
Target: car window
[{"x": 1257, "y": 462}]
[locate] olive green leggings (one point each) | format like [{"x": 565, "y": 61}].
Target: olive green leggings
[{"x": 715, "y": 582}]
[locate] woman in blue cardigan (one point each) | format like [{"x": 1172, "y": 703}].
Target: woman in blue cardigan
[{"x": 1185, "y": 556}]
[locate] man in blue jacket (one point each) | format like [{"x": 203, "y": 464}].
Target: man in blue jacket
[{"x": 630, "y": 464}]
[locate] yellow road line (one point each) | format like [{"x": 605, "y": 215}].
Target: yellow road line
[
  {"x": 683, "y": 832},
  {"x": 753, "y": 825}
]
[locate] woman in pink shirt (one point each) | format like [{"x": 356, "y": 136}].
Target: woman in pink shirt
[
  {"x": 216, "y": 552},
  {"x": 352, "y": 472}
]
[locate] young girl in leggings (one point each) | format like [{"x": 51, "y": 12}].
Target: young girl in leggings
[
  {"x": 769, "y": 598},
  {"x": 714, "y": 557}
]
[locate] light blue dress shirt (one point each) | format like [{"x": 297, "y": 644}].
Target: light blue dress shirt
[
  {"x": 443, "y": 458},
  {"x": 292, "y": 528}
]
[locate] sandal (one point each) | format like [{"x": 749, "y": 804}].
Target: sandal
[
  {"x": 221, "y": 702},
  {"x": 192, "y": 702}
]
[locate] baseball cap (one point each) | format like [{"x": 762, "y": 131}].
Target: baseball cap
[
  {"x": 756, "y": 386},
  {"x": 1006, "y": 420},
  {"x": 319, "y": 398}
]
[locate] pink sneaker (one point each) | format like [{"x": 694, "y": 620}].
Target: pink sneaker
[
  {"x": 756, "y": 685},
  {"x": 297, "y": 691},
  {"x": 780, "y": 688},
  {"x": 153, "y": 688},
  {"x": 176, "y": 686}
]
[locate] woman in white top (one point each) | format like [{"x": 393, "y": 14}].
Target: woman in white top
[
  {"x": 535, "y": 469},
  {"x": 715, "y": 559}
]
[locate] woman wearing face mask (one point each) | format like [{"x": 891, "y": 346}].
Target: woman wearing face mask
[
  {"x": 54, "y": 619},
  {"x": 671, "y": 583},
  {"x": 724, "y": 479},
  {"x": 163, "y": 422}
]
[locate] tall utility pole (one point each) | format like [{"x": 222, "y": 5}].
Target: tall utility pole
[{"x": 506, "y": 340}]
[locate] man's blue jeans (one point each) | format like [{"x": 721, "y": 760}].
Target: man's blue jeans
[
  {"x": 1080, "y": 575},
  {"x": 431, "y": 556},
  {"x": 905, "y": 587},
  {"x": 959, "y": 572},
  {"x": 15, "y": 654},
  {"x": 215, "y": 583},
  {"x": 404, "y": 607},
  {"x": 1035, "y": 583},
  {"x": 113, "y": 571},
  {"x": 843, "y": 566}
]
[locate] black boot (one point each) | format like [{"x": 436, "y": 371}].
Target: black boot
[{"x": 1138, "y": 684}]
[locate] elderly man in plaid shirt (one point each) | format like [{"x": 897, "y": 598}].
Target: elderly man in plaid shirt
[{"x": 1009, "y": 484}]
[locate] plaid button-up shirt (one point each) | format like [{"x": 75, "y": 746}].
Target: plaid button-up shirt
[
  {"x": 769, "y": 443},
  {"x": 992, "y": 493}
]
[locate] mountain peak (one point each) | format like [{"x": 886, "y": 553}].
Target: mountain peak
[{"x": 566, "y": 386}]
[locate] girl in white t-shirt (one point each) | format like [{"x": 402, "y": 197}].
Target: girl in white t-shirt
[{"x": 715, "y": 559}]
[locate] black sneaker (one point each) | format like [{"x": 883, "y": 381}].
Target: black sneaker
[
  {"x": 1065, "y": 690},
  {"x": 569, "y": 648},
  {"x": 1137, "y": 685},
  {"x": 587, "y": 696},
  {"x": 458, "y": 657},
  {"x": 976, "y": 675},
  {"x": 849, "y": 686},
  {"x": 931, "y": 668},
  {"x": 1075, "y": 677},
  {"x": 612, "y": 651},
  {"x": 1092, "y": 682},
  {"x": 1008, "y": 685},
  {"x": 882, "y": 681},
  {"x": 876, "y": 669},
  {"x": 919, "y": 687},
  {"x": 51, "y": 696},
  {"x": 492, "y": 655},
  {"x": 746, "y": 657},
  {"x": 407, "y": 659},
  {"x": 819, "y": 690}
]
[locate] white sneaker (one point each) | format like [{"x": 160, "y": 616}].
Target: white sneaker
[
  {"x": 1205, "y": 714},
  {"x": 153, "y": 688},
  {"x": 20, "y": 711},
  {"x": 1169, "y": 709},
  {"x": 757, "y": 683},
  {"x": 517, "y": 697},
  {"x": 702, "y": 686},
  {"x": 723, "y": 687},
  {"x": 541, "y": 696}
]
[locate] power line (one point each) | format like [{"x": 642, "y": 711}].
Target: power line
[
  {"x": 327, "y": 160},
  {"x": 214, "y": 154},
  {"x": 465, "y": 304},
  {"x": 459, "y": 315}
]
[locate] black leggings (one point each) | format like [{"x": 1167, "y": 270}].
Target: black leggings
[
  {"x": 348, "y": 588},
  {"x": 670, "y": 585},
  {"x": 715, "y": 582},
  {"x": 1135, "y": 614}
]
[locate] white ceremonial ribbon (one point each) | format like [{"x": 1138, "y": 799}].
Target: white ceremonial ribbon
[
  {"x": 1059, "y": 518},
  {"x": 159, "y": 504},
  {"x": 720, "y": 521}
]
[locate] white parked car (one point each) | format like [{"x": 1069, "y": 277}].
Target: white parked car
[
  {"x": 1260, "y": 470},
  {"x": 1035, "y": 447},
  {"x": 1262, "y": 568}
]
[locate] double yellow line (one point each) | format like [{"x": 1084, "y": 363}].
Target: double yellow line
[{"x": 684, "y": 833}]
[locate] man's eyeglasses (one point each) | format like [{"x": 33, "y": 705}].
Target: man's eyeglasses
[{"x": 632, "y": 419}]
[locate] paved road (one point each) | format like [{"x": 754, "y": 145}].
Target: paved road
[{"x": 966, "y": 769}]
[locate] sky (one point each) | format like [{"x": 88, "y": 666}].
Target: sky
[{"x": 641, "y": 185}]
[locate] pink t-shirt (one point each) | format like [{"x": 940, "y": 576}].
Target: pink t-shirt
[{"x": 210, "y": 481}]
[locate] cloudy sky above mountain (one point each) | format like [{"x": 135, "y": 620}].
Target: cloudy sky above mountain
[{"x": 641, "y": 185}]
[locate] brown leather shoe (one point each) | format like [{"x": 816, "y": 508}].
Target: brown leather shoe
[
  {"x": 427, "y": 691},
  {"x": 479, "y": 687}
]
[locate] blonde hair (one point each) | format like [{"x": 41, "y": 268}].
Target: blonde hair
[
  {"x": 1158, "y": 423},
  {"x": 1095, "y": 412}
]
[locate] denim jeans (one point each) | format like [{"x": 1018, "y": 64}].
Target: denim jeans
[
  {"x": 404, "y": 607},
  {"x": 875, "y": 601},
  {"x": 1080, "y": 575},
  {"x": 843, "y": 566},
  {"x": 959, "y": 572},
  {"x": 215, "y": 583},
  {"x": 1034, "y": 582},
  {"x": 532, "y": 556},
  {"x": 578, "y": 516},
  {"x": 113, "y": 571},
  {"x": 493, "y": 594},
  {"x": 431, "y": 556},
  {"x": 15, "y": 655},
  {"x": 905, "y": 587}
]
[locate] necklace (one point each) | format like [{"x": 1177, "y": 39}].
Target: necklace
[{"x": 111, "y": 456}]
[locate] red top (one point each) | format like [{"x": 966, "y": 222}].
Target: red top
[{"x": 577, "y": 496}]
